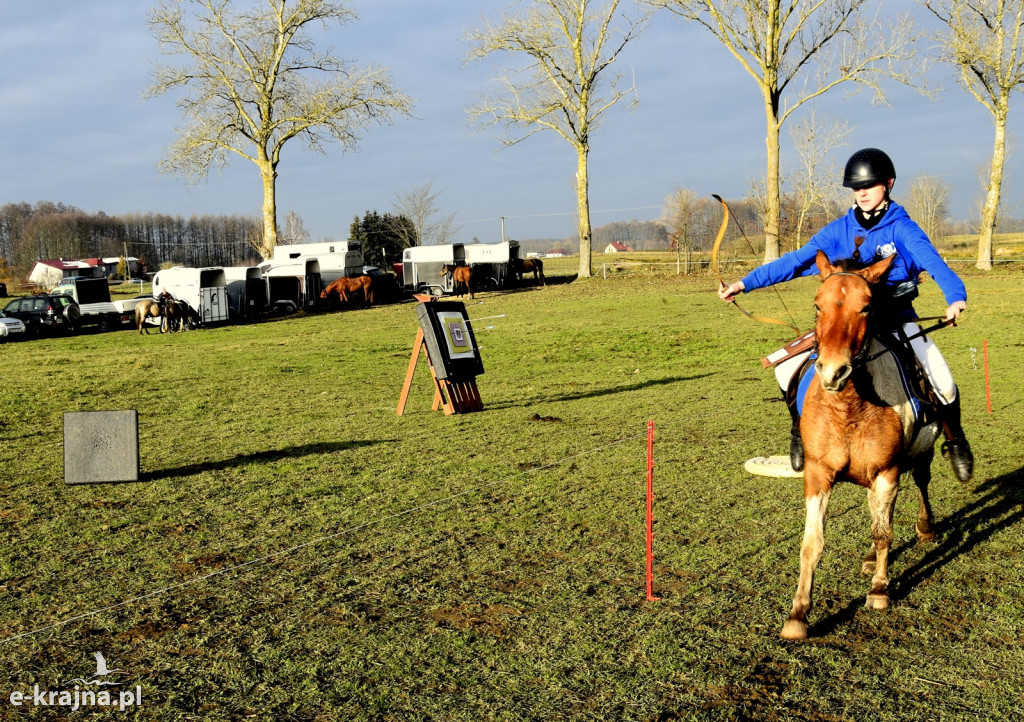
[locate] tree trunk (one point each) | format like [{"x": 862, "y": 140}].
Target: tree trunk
[
  {"x": 583, "y": 209},
  {"x": 773, "y": 199},
  {"x": 269, "y": 175},
  {"x": 995, "y": 183}
]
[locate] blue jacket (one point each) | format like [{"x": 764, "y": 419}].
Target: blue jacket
[{"x": 895, "y": 233}]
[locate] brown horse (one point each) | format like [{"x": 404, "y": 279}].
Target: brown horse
[
  {"x": 345, "y": 286},
  {"x": 857, "y": 426},
  {"x": 146, "y": 308},
  {"x": 530, "y": 265},
  {"x": 462, "y": 279},
  {"x": 172, "y": 317}
]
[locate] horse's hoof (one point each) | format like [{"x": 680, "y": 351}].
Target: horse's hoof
[
  {"x": 794, "y": 629},
  {"x": 868, "y": 567},
  {"x": 877, "y": 601},
  {"x": 925, "y": 536}
]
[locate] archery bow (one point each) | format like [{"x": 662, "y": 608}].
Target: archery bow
[{"x": 714, "y": 262}]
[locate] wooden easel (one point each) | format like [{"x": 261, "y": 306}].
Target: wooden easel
[{"x": 457, "y": 397}]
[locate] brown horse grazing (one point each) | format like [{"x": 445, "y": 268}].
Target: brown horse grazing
[
  {"x": 345, "y": 286},
  {"x": 530, "y": 265},
  {"x": 857, "y": 425},
  {"x": 146, "y": 308},
  {"x": 462, "y": 278}
]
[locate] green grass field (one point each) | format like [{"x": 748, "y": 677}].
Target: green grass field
[{"x": 299, "y": 552}]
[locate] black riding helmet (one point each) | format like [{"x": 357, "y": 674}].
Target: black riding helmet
[{"x": 868, "y": 167}]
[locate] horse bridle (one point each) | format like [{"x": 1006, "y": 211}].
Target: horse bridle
[{"x": 860, "y": 358}]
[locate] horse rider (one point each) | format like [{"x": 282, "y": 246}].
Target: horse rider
[{"x": 877, "y": 227}]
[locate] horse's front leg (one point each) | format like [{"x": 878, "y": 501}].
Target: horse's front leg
[
  {"x": 922, "y": 477},
  {"x": 882, "y": 500},
  {"x": 810, "y": 554}
]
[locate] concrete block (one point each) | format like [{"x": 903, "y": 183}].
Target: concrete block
[{"x": 101, "y": 447}]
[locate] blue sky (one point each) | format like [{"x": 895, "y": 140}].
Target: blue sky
[{"x": 75, "y": 129}]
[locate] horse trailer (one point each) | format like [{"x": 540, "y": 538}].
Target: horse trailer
[
  {"x": 421, "y": 267},
  {"x": 204, "y": 289},
  {"x": 293, "y": 285},
  {"x": 336, "y": 258},
  {"x": 247, "y": 292},
  {"x": 492, "y": 265}
]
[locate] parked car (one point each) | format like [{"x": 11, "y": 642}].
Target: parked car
[
  {"x": 11, "y": 328},
  {"x": 45, "y": 313}
]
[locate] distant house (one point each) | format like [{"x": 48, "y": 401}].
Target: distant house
[
  {"x": 557, "y": 253},
  {"x": 49, "y": 273},
  {"x": 616, "y": 247}
]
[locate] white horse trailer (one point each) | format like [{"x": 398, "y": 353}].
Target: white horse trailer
[
  {"x": 293, "y": 285},
  {"x": 204, "y": 289},
  {"x": 247, "y": 291},
  {"x": 421, "y": 267},
  {"x": 493, "y": 264},
  {"x": 336, "y": 258}
]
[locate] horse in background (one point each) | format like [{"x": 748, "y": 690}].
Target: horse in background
[
  {"x": 857, "y": 425},
  {"x": 462, "y": 278},
  {"x": 345, "y": 286},
  {"x": 535, "y": 266},
  {"x": 175, "y": 318},
  {"x": 146, "y": 308}
]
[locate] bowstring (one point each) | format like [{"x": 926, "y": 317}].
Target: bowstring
[{"x": 714, "y": 254}]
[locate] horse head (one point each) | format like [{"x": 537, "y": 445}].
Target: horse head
[
  {"x": 446, "y": 270},
  {"x": 842, "y": 317}
]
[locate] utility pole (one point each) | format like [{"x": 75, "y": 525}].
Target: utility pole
[{"x": 503, "y": 229}]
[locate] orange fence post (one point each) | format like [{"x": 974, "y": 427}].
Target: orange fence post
[{"x": 650, "y": 512}]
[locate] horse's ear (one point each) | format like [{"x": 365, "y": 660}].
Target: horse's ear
[
  {"x": 877, "y": 271},
  {"x": 825, "y": 267}
]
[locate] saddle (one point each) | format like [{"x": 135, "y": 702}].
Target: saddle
[{"x": 894, "y": 342}]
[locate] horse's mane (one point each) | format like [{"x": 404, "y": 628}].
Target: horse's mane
[{"x": 849, "y": 265}]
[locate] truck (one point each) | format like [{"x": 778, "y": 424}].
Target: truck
[{"x": 93, "y": 298}]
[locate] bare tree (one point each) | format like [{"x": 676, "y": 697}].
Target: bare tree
[
  {"x": 984, "y": 41},
  {"x": 798, "y": 50},
  {"x": 681, "y": 216},
  {"x": 928, "y": 204},
  {"x": 294, "y": 230},
  {"x": 564, "y": 84},
  {"x": 254, "y": 80},
  {"x": 814, "y": 182},
  {"x": 421, "y": 205}
]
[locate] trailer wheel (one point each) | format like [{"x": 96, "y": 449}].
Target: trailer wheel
[
  {"x": 436, "y": 291},
  {"x": 104, "y": 324}
]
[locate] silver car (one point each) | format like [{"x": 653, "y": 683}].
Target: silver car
[{"x": 11, "y": 328}]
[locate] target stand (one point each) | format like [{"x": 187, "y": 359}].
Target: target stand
[
  {"x": 776, "y": 466},
  {"x": 446, "y": 335}
]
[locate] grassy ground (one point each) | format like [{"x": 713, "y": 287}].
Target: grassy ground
[{"x": 298, "y": 551}]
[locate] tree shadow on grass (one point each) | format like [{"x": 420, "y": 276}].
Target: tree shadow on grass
[
  {"x": 257, "y": 458},
  {"x": 628, "y": 387},
  {"x": 598, "y": 392},
  {"x": 999, "y": 505}
]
